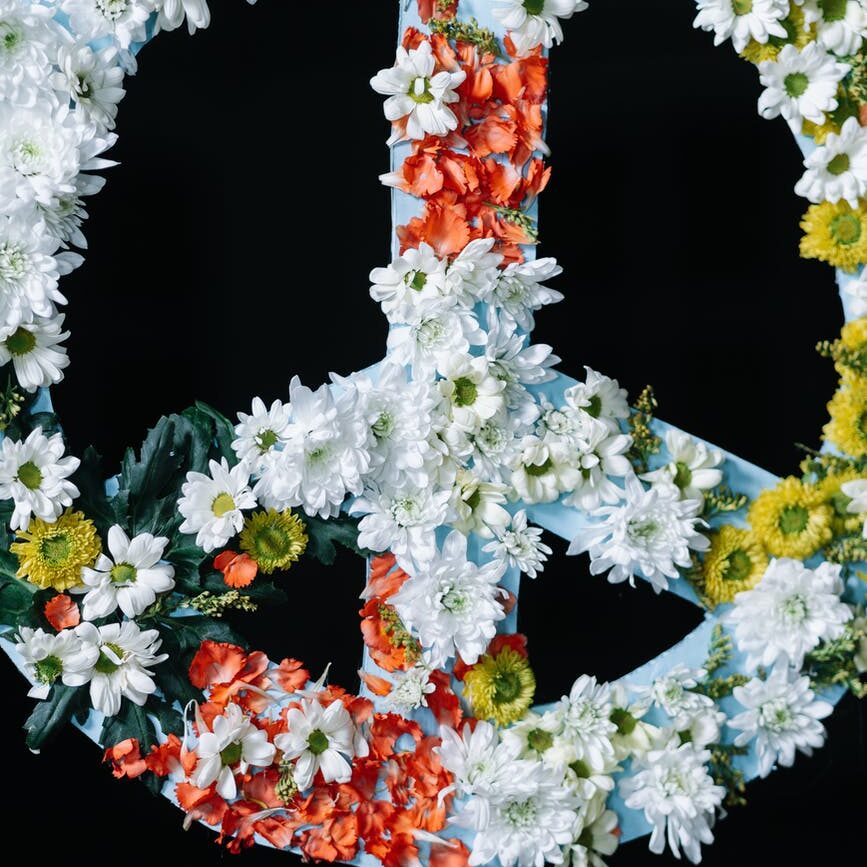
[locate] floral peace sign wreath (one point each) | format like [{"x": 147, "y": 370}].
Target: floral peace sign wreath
[{"x": 439, "y": 465}]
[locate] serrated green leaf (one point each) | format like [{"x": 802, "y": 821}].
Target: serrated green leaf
[
  {"x": 53, "y": 714},
  {"x": 89, "y": 478},
  {"x": 324, "y": 535},
  {"x": 224, "y": 432},
  {"x": 17, "y": 603}
]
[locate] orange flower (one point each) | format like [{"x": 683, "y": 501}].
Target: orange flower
[
  {"x": 289, "y": 675},
  {"x": 385, "y": 578},
  {"x": 386, "y": 730},
  {"x": 166, "y": 758},
  {"x": 443, "y": 702},
  {"x": 216, "y": 662},
  {"x": 200, "y": 804},
  {"x": 451, "y": 853},
  {"x": 61, "y": 612},
  {"x": 445, "y": 229},
  {"x": 336, "y": 838},
  {"x": 126, "y": 759},
  {"x": 494, "y": 135},
  {"x": 238, "y": 570}
]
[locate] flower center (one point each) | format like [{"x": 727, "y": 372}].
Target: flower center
[
  {"x": 539, "y": 469},
  {"x": 839, "y": 164},
  {"x": 520, "y": 814},
  {"x": 25, "y": 157},
  {"x": 794, "y": 608},
  {"x": 429, "y": 333},
  {"x": 455, "y": 600},
  {"x": 585, "y": 838},
  {"x": 540, "y": 740},
  {"x": 775, "y": 716},
  {"x": 20, "y": 342},
  {"x": 231, "y": 754},
  {"x": 581, "y": 769},
  {"x": 419, "y": 90},
  {"x": 672, "y": 783},
  {"x": 30, "y": 475},
  {"x": 419, "y": 278},
  {"x": 319, "y": 455},
  {"x": 833, "y": 10},
  {"x": 534, "y": 7},
  {"x": 742, "y": 7},
  {"x": 13, "y": 262},
  {"x": 406, "y": 511},
  {"x": 474, "y": 499},
  {"x": 624, "y": 721},
  {"x": 594, "y": 408},
  {"x": 105, "y": 664},
  {"x": 10, "y": 38},
  {"x": 682, "y": 475},
  {"x": 266, "y": 440},
  {"x": 845, "y": 229},
  {"x": 123, "y": 573},
  {"x": 317, "y": 742},
  {"x": 796, "y": 84},
  {"x": 793, "y": 520},
  {"x": 466, "y": 391},
  {"x": 48, "y": 669},
  {"x": 111, "y": 9},
  {"x": 507, "y": 686},
  {"x": 83, "y": 86},
  {"x": 738, "y": 566},
  {"x": 642, "y": 529},
  {"x": 56, "y": 549},
  {"x": 223, "y": 503},
  {"x": 383, "y": 427}
]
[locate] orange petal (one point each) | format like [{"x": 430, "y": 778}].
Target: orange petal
[
  {"x": 453, "y": 853},
  {"x": 240, "y": 571},
  {"x": 126, "y": 759},
  {"x": 216, "y": 662},
  {"x": 376, "y": 684},
  {"x": 61, "y": 612}
]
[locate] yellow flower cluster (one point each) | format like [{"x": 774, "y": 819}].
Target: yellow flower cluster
[{"x": 847, "y": 426}]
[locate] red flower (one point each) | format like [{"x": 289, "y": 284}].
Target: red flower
[
  {"x": 126, "y": 759},
  {"x": 61, "y": 612},
  {"x": 238, "y": 570}
]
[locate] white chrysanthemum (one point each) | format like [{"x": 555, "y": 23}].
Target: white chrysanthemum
[
  {"x": 452, "y": 604},
  {"x": 477, "y": 506},
  {"x": 48, "y": 657},
  {"x": 324, "y": 456},
  {"x": 473, "y": 272},
  {"x": 541, "y": 471},
  {"x": 634, "y": 735},
  {"x": 410, "y": 690},
  {"x": 231, "y": 746},
  {"x": 64, "y": 217},
  {"x": 856, "y": 289},
  {"x": 519, "y": 290},
  {"x": 596, "y": 835},
  {"x": 35, "y": 352},
  {"x": 30, "y": 267},
  {"x": 130, "y": 579},
  {"x": 838, "y": 168},
  {"x": 126, "y": 654},
  {"x": 35, "y": 475},
  {"x": 857, "y": 491},
  {"x": 29, "y": 40},
  {"x": 41, "y": 155},
  {"x": 533, "y": 736},
  {"x": 601, "y": 457},
  {"x": 678, "y": 796},
  {"x": 470, "y": 390},
  {"x": 535, "y": 22},
  {"x": 212, "y": 506},
  {"x": 123, "y": 19},
  {"x": 586, "y": 716},
  {"x": 599, "y": 397},
  {"x": 416, "y": 96},
  {"x": 413, "y": 278},
  {"x": 441, "y": 329},
  {"x": 692, "y": 466},
  {"x": 782, "y": 714},
  {"x": 800, "y": 85},
  {"x": 842, "y": 26},
  {"x": 263, "y": 430},
  {"x": 173, "y": 13},
  {"x": 520, "y": 545},
  {"x": 561, "y": 424},
  {"x": 742, "y": 20},
  {"x": 589, "y": 777},
  {"x": 402, "y": 521},
  {"x": 91, "y": 80},
  {"x": 321, "y": 739},
  {"x": 399, "y": 413},
  {"x": 789, "y": 612},
  {"x": 497, "y": 445},
  {"x": 651, "y": 533}
]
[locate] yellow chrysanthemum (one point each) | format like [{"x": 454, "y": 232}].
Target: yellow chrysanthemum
[
  {"x": 735, "y": 562},
  {"x": 796, "y": 34},
  {"x": 52, "y": 555},
  {"x": 791, "y": 520},
  {"x": 844, "y": 522},
  {"x": 853, "y": 337},
  {"x": 836, "y": 234},
  {"x": 847, "y": 428},
  {"x": 501, "y": 687},
  {"x": 275, "y": 540},
  {"x": 819, "y": 132}
]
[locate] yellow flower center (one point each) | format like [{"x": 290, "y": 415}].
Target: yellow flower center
[
  {"x": 845, "y": 229},
  {"x": 222, "y": 504},
  {"x": 738, "y": 566},
  {"x": 30, "y": 475},
  {"x": 839, "y": 164},
  {"x": 466, "y": 391},
  {"x": 55, "y": 549},
  {"x": 793, "y": 520},
  {"x": 123, "y": 573},
  {"x": 795, "y": 84},
  {"x": 419, "y": 90}
]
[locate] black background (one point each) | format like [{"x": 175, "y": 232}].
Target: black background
[{"x": 216, "y": 273}]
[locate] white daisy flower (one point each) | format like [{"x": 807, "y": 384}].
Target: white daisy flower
[
  {"x": 452, "y": 604},
  {"x": 126, "y": 654},
  {"x": 91, "y": 80},
  {"x": 261, "y": 431},
  {"x": 497, "y": 445},
  {"x": 590, "y": 777},
  {"x": 414, "y": 277},
  {"x": 596, "y": 835},
  {"x": 402, "y": 521},
  {"x": 678, "y": 796},
  {"x": 477, "y": 506},
  {"x": 838, "y": 168},
  {"x": 130, "y": 579},
  {"x": 321, "y": 739},
  {"x": 471, "y": 391},
  {"x": 541, "y": 471},
  {"x": 123, "y": 19},
  {"x": 533, "y": 736},
  {"x": 30, "y": 39},
  {"x": 856, "y": 289},
  {"x": 35, "y": 352},
  {"x": 692, "y": 467},
  {"x": 842, "y": 26},
  {"x": 789, "y": 612},
  {"x": 231, "y": 746},
  {"x": 410, "y": 690},
  {"x": 782, "y": 715},
  {"x": 416, "y": 96},
  {"x": 535, "y": 22},
  {"x": 601, "y": 456},
  {"x": 800, "y": 85},
  {"x": 520, "y": 545},
  {"x": 519, "y": 291},
  {"x": 473, "y": 273},
  {"x": 857, "y": 491},
  {"x": 212, "y": 506},
  {"x": 173, "y": 13},
  {"x": 599, "y": 397},
  {"x": 64, "y": 218},
  {"x": 586, "y": 716},
  {"x": 634, "y": 735},
  {"x": 48, "y": 657},
  {"x": 35, "y": 475},
  {"x": 651, "y": 533},
  {"x": 742, "y": 20}
]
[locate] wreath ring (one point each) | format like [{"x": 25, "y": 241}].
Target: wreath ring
[{"x": 113, "y": 592}]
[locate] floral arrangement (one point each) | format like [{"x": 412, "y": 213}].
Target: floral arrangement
[{"x": 441, "y": 466}]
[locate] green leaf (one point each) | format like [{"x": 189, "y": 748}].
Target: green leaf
[
  {"x": 186, "y": 558},
  {"x": 324, "y": 535},
  {"x": 51, "y": 715},
  {"x": 260, "y": 590},
  {"x": 17, "y": 603},
  {"x": 224, "y": 432},
  {"x": 89, "y": 478}
]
